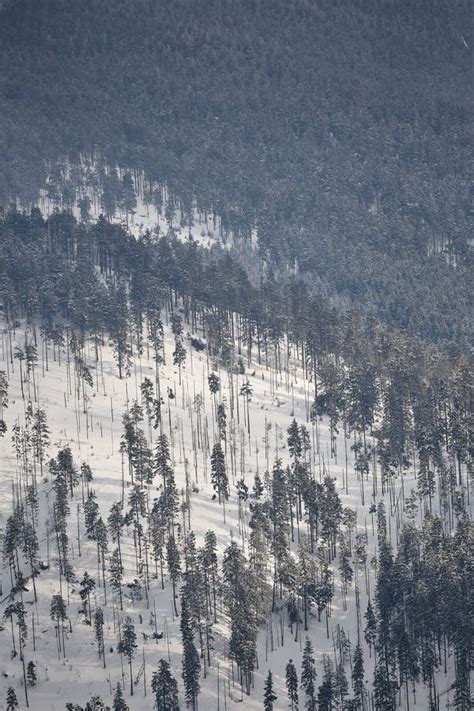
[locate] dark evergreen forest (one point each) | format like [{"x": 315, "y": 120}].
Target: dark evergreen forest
[{"x": 339, "y": 129}]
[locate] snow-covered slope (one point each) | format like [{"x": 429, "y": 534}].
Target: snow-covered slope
[{"x": 90, "y": 422}]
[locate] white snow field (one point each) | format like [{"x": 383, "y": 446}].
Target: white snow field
[
  {"x": 152, "y": 211},
  {"x": 94, "y": 434}
]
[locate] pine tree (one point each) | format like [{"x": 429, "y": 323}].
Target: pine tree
[
  {"x": 91, "y": 515},
  {"x": 157, "y": 526},
  {"x": 40, "y": 436},
  {"x": 118, "y": 327},
  {"x": 31, "y": 673},
  {"x": 326, "y": 690},
  {"x": 383, "y": 688},
  {"x": 146, "y": 389},
  {"x": 127, "y": 645},
  {"x": 179, "y": 356},
  {"x": 191, "y": 664},
  {"x": 194, "y": 590},
  {"x": 210, "y": 573},
  {"x": 128, "y": 198},
  {"x": 269, "y": 696},
  {"x": 340, "y": 684},
  {"x": 308, "y": 676},
  {"x": 165, "y": 688},
  {"x": 358, "y": 677},
  {"x": 306, "y": 579},
  {"x": 87, "y": 478},
  {"x": 294, "y": 441},
  {"x": 219, "y": 478},
  {"x": 116, "y": 574},
  {"x": 292, "y": 685},
  {"x": 222, "y": 421},
  {"x": 174, "y": 567},
  {"x": 102, "y": 545},
  {"x": 58, "y": 613},
  {"x": 118, "y": 704},
  {"x": 12, "y": 701},
  {"x": 370, "y": 632},
  {"x": 164, "y": 470},
  {"x": 280, "y": 517},
  {"x": 87, "y": 587},
  {"x": 17, "y": 609},
  {"x": 214, "y": 383},
  {"x": 11, "y": 536},
  {"x": 99, "y": 633},
  {"x": 30, "y": 549},
  {"x": 247, "y": 391},
  {"x": 345, "y": 570},
  {"x": 241, "y": 603},
  {"x": 3, "y": 401},
  {"x": 96, "y": 704}
]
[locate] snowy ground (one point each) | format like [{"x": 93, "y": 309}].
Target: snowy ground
[
  {"x": 146, "y": 217},
  {"x": 84, "y": 181},
  {"x": 95, "y": 438}
]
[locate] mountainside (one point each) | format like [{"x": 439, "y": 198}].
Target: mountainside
[
  {"x": 339, "y": 130},
  {"x": 233, "y": 457},
  {"x": 236, "y": 384}
]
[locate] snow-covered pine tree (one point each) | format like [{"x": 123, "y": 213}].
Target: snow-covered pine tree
[
  {"x": 291, "y": 677},
  {"x": 87, "y": 586},
  {"x": 269, "y": 696},
  {"x": 165, "y": 688},
  {"x": 219, "y": 477},
  {"x": 58, "y": 613},
  {"x": 358, "y": 677},
  {"x": 308, "y": 676},
  {"x": 99, "y": 633},
  {"x": 31, "y": 674},
  {"x": 116, "y": 575},
  {"x": 118, "y": 703},
  {"x": 12, "y": 701},
  {"x": 191, "y": 664},
  {"x": 127, "y": 645},
  {"x": 174, "y": 567}
]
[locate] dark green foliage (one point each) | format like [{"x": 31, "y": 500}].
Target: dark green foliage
[
  {"x": 308, "y": 676},
  {"x": 12, "y": 701},
  {"x": 127, "y": 645},
  {"x": 96, "y": 704},
  {"x": 191, "y": 664},
  {"x": 240, "y": 600},
  {"x": 118, "y": 703},
  {"x": 326, "y": 690},
  {"x": 269, "y": 696},
  {"x": 370, "y": 632},
  {"x": 219, "y": 477},
  {"x": 99, "y": 633},
  {"x": 292, "y": 684},
  {"x": 116, "y": 574},
  {"x": 3, "y": 401},
  {"x": 58, "y": 608},
  {"x": 174, "y": 565},
  {"x": 358, "y": 677},
  {"x": 165, "y": 688},
  {"x": 31, "y": 675},
  {"x": 214, "y": 383},
  {"x": 87, "y": 587}
]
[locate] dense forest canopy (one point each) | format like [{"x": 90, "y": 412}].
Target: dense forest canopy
[{"x": 339, "y": 129}]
